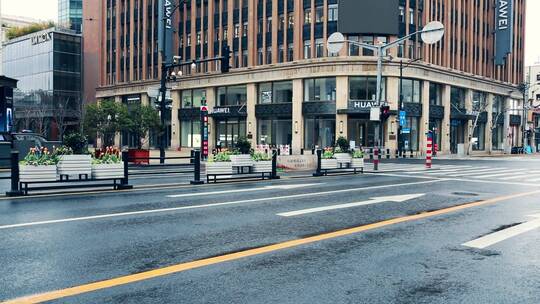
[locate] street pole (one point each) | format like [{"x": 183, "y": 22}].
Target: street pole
[{"x": 400, "y": 107}]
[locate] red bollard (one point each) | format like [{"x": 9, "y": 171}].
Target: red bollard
[
  {"x": 429, "y": 151},
  {"x": 376, "y": 159}
]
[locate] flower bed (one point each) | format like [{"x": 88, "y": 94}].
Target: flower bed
[
  {"x": 39, "y": 165},
  {"x": 108, "y": 165}
]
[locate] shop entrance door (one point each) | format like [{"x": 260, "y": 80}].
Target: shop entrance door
[{"x": 363, "y": 132}]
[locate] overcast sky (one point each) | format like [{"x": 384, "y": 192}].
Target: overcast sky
[{"x": 47, "y": 10}]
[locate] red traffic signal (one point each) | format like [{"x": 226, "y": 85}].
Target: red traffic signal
[{"x": 385, "y": 112}]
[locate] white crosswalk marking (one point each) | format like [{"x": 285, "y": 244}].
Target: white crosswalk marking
[
  {"x": 500, "y": 174},
  {"x": 475, "y": 172}
]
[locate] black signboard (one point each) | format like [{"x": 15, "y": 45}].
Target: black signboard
[{"x": 369, "y": 16}]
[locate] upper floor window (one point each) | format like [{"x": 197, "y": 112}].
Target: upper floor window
[
  {"x": 319, "y": 14},
  {"x": 320, "y": 89},
  {"x": 401, "y": 14},
  {"x": 193, "y": 98},
  {"x": 365, "y": 88},
  {"x": 231, "y": 96},
  {"x": 435, "y": 94},
  {"x": 411, "y": 90},
  {"x": 457, "y": 98},
  {"x": 307, "y": 16},
  {"x": 411, "y": 16},
  {"x": 332, "y": 12},
  {"x": 276, "y": 92}
]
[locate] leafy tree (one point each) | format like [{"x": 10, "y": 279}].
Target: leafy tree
[
  {"x": 142, "y": 119},
  {"x": 105, "y": 119}
]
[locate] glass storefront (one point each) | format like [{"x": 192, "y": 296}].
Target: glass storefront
[
  {"x": 411, "y": 137},
  {"x": 435, "y": 125},
  {"x": 275, "y": 92},
  {"x": 319, "y": 132},
  {"x": 411, "y": 90},
  {"x": 231, "y": 96},
  {"x": 228, "y": 131},
  {"x": 320, "y": 89},
  {"x": 480, "y": 136},
  {"x": 498, "y": 137},
  {"x": 363, "y": 132},
  {"x": 274, "y": 132},
  {"x": 457, "y": 134},
  {"x": 190, "y": 133}
]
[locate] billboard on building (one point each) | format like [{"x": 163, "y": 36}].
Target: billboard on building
[
  {"x": 369, "y": 17},
  {"x": 504, "y": 30},
  {"x": 165, "y": 20}
]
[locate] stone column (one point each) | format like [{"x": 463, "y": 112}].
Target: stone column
[
  {"x": 489, "y": 123},
  {"x": 175, "y": 122},
  {"x": 392, "y": 124},
  {"x": 424, "y": 121},
  {"x": 470, "y": 123},
  {"x": 445, "y": 125},
  {"x": 145, "y": 101},
  {"x": 342, "y": 99},
  {"x": 211, "y": 102},
  {"x": 251, "y": 121},
  {"x": 117, "y": 136},
  {"x": 297, "y": 117}
]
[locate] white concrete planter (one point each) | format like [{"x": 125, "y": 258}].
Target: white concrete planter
[
  {"x": 105, "y": 171},
  {"x": 75, "y": 165},
  {"x": 329, "y": 163},
  {"x": 264, "y": 166},
  {"x": 218, "y": 168},
  {"x": 37, "y": 173},
  {"x": 357, "y": 163},
  {"x": 242, "y": 160},
  {"x": 343, "y": 158}
]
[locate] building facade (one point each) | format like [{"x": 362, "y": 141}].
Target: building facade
[
  {"x": 7, "y": 22},
  {"x": 286, "y": 89},
  {"x": 47, "y": 65},
  {"x": 70, "y": 14},
  {"x": 91, "y": 48},
  {"x": 532, "y": 76}
]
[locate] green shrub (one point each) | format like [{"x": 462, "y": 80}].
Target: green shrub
[
  {"x": 77, "y": 142},
  {"x": 259, "y": 156},
  {"x": 343, "y": 144},
  {"x": 243, "y": 145},
  {"x": 222, "y": 157},
  {"x": 358, "y": 154}
]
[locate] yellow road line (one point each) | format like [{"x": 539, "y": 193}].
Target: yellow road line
[{"x": 77, "y": 290}]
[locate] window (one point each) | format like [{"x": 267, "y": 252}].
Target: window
[
  {"x": 290, "y": 21},
  {"x": 457, "y": 98},
  {"x": 307, "y": 16},
  {"x": 319, "y": 14},
  {"x": 367, "y": 40},
  {"x": 333, "y": 12},
  {"x": 412, "y": 140},
  {"x": 479, "y": 135},
  {"x": 365, "y": 88},
  {"x": 319, "y": 48},
  {"x": 354, "y": 50},
  {"x": 231, "y": 96},
  {"x": 274, "y": 132},
  {"x": 537, "y": 77},
  {"x": 479, "y": 101},
  {"x": 268, "y": 24},
  {"x": 245, "y": 29},
  {"x": 281, "y": 24},
  {"x": 290, "y": 52},
  {"x": 269, "y": 55},
  {"x": 411, "y": 16},
  {"x": 276, "y": 92},
  {"x": 401, "y": 14},
  {"x": 435, "y": 94},
  {"x": 260, "y": 56},
  {"x": 190, "y": 133},
  {"x": 319, "y": 132},
  {"x": 281, "y": 53},
  {"x": 320, "y": 89},
  {"x": 307, "y": 49},
  {"x": 411, "y": 90},
  {"x": 236, "y": 30}
]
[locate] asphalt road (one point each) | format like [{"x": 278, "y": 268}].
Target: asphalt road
[{"x": 395, "y": 237}]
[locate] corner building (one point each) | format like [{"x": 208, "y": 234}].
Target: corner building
[{"x": 284, "y": 88}]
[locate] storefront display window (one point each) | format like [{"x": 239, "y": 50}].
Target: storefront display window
[
  {"x": 365, "y": 88},
  {"x": 275, "y": 92},
  {"x": 319, "y": 132},
  {"x": 435, "y": 125},
  {"x": 275, "y": 132},
  {"x": 193, "y": 98},
  {"x": 411, "y": 140},
  {"x": 228, "y": 131},
  {"x": 411, "y": 90},
  {"x": 190, "y": 131},
  {"x": 320, "y": 89},
  {"x": 498, "y": 137},
  {"x": 480, "y": 136},
  {"x": 231, "y": 96}
]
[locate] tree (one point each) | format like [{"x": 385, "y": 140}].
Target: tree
[
  {"x": 66, "y": 112},
  {"x": 105, "y": 119},
  {"x": 142, "y": 119}
]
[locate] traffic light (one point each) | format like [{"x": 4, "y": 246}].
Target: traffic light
[
  {"x": 385, "y": 112},
  {"x": 225, "y": 59}
]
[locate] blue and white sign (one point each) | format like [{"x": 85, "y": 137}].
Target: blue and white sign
[
  {"x": 402, "y": 118},
  {"x": 504, "y": 30},
  {"x": 406, "y": 131}
]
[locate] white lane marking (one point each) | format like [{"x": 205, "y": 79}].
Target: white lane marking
[
  {"x": 375, "y": 200},
  {"x": 520, "y": 175},
  {"x": 505, "y": 234},
  {"x": 454, "y": 170},
  {"x": 534, "y": 180},
  {"x": 278, "y": 187},
  {"x": 476, "y": 172},
  {"x": 452, "y": 179},
  {"x": 500, "y": 174},
  {"x": 112, "y": 215}
]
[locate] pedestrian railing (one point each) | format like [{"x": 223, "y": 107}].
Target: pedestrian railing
[{"x": 340, "y": 164}]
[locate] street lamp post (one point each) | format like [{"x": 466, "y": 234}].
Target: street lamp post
[
  {"x": 400, "y": 103},
  {"x": 431, "y": 33}
]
